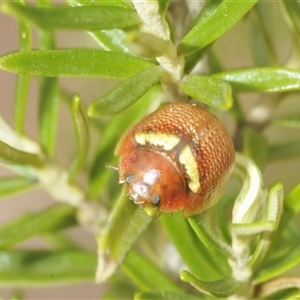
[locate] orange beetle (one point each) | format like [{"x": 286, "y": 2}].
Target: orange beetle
[{"x": 180, "y": 157}]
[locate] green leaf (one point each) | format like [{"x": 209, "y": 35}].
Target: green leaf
[
  {"x": 75, "y": 62},
  {"x": 120, "y": 3},
  {"x": 292, "y": 121},
  {"x": 43, "y": 3},
  {"x": 46, "y": 38},
  {"x": 221, "y": 288},
  {"x": 16, "y": 184},
  {"x": 211, "y": 91},
  {"x": 284, "y": 151},
  {"x": 48, "y": 95},
  {"x": 208, "y": 237},
  {"x": 214, "y": 25},
  {"x": 223, "y": 209},
  {"x": 111, "y": 40},
  {"x": 59, "y": 240},
  {"x": 256, "y": 146},
  {"x": 18, "y": 157},
  {"x": 262, "y": 79},
  {"x": 48, "y": 114},
  {"x": 124, "y": 226},
  {"x": 145, "y": 274},
  {"x": 279, "y": 288},
  {"x": 82, "y": 136},
  {"x": 194, "y": 253},
  {"x": 287, "y": 229},
  {"x": 292, "y": 200},
  {"x": 206, "y": 11},
  {"x": 22, "y": 85},
  {"x": 127, "y": 93},
  {"x": 261, "y": 36},
  {"x": 274, "y": 209},
  {"x": 119, "y": 290},
  {"x": 45, "y": 267},
  {"x": 21, "y": 94},
  {"x": 251, "y": 229},
  {"x": 163, "y": 6},
  {"x": 294, "y": 295},
  {"x": 280, "y": 264},
  {"x": 165, "y": 296},
  {"x": 293, "y": 10},
  {"x": 88, "y": 17},
  {"x": 247, "y": 203},
  {"x": 147, "y": 45},
  {"x": 33, "y": 224},
  {"x": 114, "y": 129},
  {"x": 25, "y": 36}
]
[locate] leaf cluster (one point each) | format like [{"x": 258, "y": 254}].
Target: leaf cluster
[{"x": 156, "y": 57}]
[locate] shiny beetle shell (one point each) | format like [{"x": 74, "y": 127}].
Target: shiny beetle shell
[{"x": 180, "y": 157}]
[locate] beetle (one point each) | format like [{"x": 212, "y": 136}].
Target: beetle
[{"x": 179, "y": 157}]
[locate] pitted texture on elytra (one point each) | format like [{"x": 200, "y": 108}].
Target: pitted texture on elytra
[
  {"x": 204, "y": 134},
  {"x": 179, "y": 119},
  {"x": 191, "y": 149},
  {"x": 196, "y": 127},
  {"x": 215, "y": 160}
]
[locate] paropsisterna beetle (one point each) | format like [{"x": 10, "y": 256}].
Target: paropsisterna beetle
[{"x": 180, "y": 157}]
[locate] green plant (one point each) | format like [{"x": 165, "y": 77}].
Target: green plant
[{"x": 247, "y": 246}]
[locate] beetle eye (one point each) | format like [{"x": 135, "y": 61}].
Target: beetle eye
[
  {"x": 129, "y": 178},
  {"x": 156, "y": 200}
]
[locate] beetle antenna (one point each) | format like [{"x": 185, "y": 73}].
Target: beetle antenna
[{"x": 111, "y": 167}]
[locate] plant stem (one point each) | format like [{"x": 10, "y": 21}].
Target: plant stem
[{"x": 153, "y": 23}]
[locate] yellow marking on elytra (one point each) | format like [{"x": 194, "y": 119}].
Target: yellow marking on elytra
[
  {"x": 165, "y": 140},
  {"x": 187, "y": 159}
]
